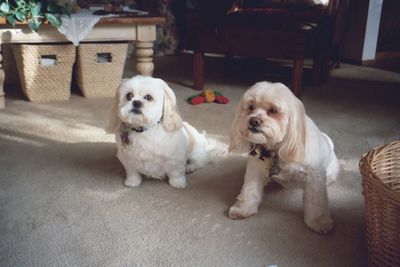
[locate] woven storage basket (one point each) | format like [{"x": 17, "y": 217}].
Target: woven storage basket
[
  {"x": 380, "y": 169},
  {"x": 9, "y": 66},
  {"x": 100, "y": 67},
  {"x": 43, "y": 83}
]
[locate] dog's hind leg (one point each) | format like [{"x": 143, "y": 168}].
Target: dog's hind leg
[
  {"x": 177, "y": 178},
  {"x": 315, "y": 200}
]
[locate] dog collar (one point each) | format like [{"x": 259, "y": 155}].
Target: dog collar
[
  {"x": 141, "y": 129},
  {"x": 127, "y": 128},
  {"x": 269, "y": 156}
]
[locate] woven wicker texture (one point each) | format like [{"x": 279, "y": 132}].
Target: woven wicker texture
[
  {"x": 380, "y": 168},
  {"x": 9, "y": 66},
  {"x": 100, "y": 79},
  {"x": 44, "y": 83}
]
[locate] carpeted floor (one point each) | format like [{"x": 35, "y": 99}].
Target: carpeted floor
[{"x": 63, "y": 202}]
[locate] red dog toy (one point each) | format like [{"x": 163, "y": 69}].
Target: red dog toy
[{"x": 208, "y": 96}]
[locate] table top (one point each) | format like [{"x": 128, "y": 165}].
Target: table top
[
  {"x": 138, "y": 19},
  {"x": 142, "y": 19}
]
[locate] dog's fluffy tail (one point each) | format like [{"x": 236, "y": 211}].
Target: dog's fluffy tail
[{"x": 202, "y": 148}]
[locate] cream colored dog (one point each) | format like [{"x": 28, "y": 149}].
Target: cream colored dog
[
  {"x": 286, "y": 146},
  {"x": 152, "y": 140}
]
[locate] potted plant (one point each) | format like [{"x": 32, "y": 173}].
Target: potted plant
[{"x": 33, "y": 12}]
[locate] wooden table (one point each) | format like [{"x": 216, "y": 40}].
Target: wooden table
[{"x": 141, "y": 29}]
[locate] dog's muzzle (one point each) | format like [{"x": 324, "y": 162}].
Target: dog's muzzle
[
  {"x": 254, "y": 124},
  {"x": 136, "y": 107}
]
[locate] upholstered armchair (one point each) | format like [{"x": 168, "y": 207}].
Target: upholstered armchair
[{"x": 280, "y": 31}]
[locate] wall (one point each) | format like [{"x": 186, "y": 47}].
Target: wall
[{"x": 362, "y": 32}]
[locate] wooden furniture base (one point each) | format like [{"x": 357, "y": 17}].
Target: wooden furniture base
[
  {"x": 141, "y": 29},
  {"x": 253, "y": 42},
  {"x": 262, "y": 30}
]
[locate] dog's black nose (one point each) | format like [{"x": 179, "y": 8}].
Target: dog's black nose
[
  {"x": 254, "y": 122},
  {"x": 137, "y": 104}
]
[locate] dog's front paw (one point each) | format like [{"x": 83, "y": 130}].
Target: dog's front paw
[
  {"x": 320, "y": 225},
  {"x": 133, "y": 181},
  {"x": 239, "y": 211},
  {"x": 178, "y": 183}
]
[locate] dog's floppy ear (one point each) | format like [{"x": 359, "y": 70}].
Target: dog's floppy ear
[
  {"x": 114, "y": 122},
  {"x": 172, "y": 121},
  {"x": 237, "y": 141},
  {"x": 293, "y": 145}
]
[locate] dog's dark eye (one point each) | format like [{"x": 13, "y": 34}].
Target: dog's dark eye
[
  {"x": 129, "y": 96},
  {"x": 273, "y": 110},
  {"x": 251, "y": 107},
  {"x": 148, "y": 97}
]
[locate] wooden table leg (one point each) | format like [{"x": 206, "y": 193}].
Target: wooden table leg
[
  {"x": 144, "y": 58},
  {"x": 297, "y": 76},
  {"x": 146, "y": 35},
  {"x": 198, "y": 71},
  {"x": 2, "y": 78}
]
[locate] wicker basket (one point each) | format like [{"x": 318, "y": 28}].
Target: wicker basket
[
  {"x": 41, "y": 82},
  {"x": 9, "y": 66},
  {"x": 380, "y": 168},
  {"x": 100, "y": 67}
]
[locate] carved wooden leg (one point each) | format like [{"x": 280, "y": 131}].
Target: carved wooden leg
[
  {"x": 144, "y": 58},
  {"x": 145, "y": 36},
  {"x": 297, "y": 76},
  {"x": 198, "y": 71},
  {"x": 2, "y": 78}
]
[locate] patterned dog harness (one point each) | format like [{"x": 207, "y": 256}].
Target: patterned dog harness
[{"x": 270, "y": 157}]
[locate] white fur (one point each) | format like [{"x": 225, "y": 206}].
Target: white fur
[
  {"x": 306, "y": 155},
  {"x": 164, "y": 148}
]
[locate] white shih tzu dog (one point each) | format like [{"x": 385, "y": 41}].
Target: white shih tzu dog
[
  {"x": 286, "y": 146},
  {"x": 152, "y": 140}
]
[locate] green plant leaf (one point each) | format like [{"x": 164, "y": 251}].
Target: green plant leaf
[
  {"x": 4, "y": 7},
  {"x": 34, "y": 24},
  {"x": 11, "y": 20},
  {"x": 39, "y": 6},
  {"x": 35, "y": 10},
  {"x": 20, "y": 16},
  {"x": 54, "y": 19},
  {"x": 21, "y": 3}
]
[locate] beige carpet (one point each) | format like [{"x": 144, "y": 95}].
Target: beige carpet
[{"x": 63, "y": 202}]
